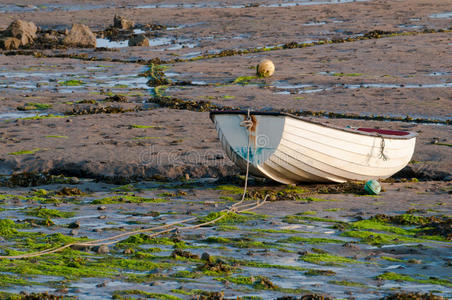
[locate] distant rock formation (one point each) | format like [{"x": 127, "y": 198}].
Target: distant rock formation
[
  {"x": 139, "y": 40},
  {"x": 80, "y": 36},
  {"x": 19, "y": 33},
  {"x": 122, "y": 23}
]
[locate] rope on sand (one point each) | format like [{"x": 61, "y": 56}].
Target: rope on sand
[{"x": 235, "y": 208}]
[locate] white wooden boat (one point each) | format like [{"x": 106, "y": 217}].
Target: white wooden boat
[{"x": 291, "y": 149}]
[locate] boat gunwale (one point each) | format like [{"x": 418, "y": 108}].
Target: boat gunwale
[{"x": 409, "y": 136}]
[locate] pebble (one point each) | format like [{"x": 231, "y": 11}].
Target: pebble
[
  {"x": 102, "y": 249},
  {"x": 75, "y": 224}
]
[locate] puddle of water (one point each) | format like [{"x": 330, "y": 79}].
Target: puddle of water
[
  {"x": 308, "y": 2},
  {"x": 106, "y": 43},
  {"x": 439, "y": 73},
  {"x": 310, "y": 88},
  {"x": 409, "y": 26},
  {"x": 444, "y": 15},
  {"x": 19, "y": 115},
  {"x": 88, "y": 76},
  {"x": 138, "y": 31},
  {"x": 314, "y": 23},
  {"x": 390, "y": 85}
]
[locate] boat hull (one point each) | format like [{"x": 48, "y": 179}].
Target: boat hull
[{"x": 289, "y": 149}]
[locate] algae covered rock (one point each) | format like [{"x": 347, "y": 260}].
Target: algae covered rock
[{"x": 80, "y": 36}]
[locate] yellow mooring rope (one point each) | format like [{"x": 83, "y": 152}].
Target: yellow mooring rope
[{"x": 235, "y": 208}]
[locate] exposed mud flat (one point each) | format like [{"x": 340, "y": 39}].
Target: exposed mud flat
[{"x": 138, "y": 116}]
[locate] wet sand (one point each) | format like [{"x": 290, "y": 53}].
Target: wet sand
[{"x": 59, "y": 116}]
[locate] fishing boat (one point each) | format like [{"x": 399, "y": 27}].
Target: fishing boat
[{"x": 291, "y": 149}]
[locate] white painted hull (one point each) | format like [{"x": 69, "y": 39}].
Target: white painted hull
[{"x": 289, "y": 149}]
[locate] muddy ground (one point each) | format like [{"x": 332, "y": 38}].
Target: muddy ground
[{"x": 102, "y": 115}]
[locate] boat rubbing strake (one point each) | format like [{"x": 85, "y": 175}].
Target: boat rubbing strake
[{"x": 291, "y": 149}]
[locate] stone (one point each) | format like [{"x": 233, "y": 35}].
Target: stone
[
  {"x": 101, "y": 249},
  {"x": 9, "y": 43},
  {"x": 75, "y": 224},
  {"x": 80, "y": 36},
  {"x": 22, "y": 30},
  {"x": 103, "y": 207},
  {"x": 122, "y": 23},
  {"x": 139, "y": 40},
  {"x": 265, "y": 68},
  {"x": 128, "y": 251}
]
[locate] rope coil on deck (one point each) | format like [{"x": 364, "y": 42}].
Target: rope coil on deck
[{"x": 235, "y": 208}]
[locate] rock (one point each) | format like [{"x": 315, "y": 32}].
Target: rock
[
  {"x": 9, "y": 43},
  {"x": 75, "y": 224},
  {"x": 103, "y": 284},
  {"x": 74, "y": 232},
  {"x": 80, "y": 36},
  {"x": 80, "y": 247},
  {"x": 122, "y": 23},
  {"x": 206, "y": 257},
  {"x": 265, "y": 68},
  {"x": 128, "y": 251},
  {"x": 138, "y": 40},
  {"x": 22, "y": 30},
  {"x": 103, "y": 207},
  {"x": 101, "y": 249}
]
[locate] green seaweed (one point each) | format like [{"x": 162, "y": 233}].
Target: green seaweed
[
  {"x": 127, "y": 199},
  {"x": 392, "y": 259},
  {"x": 230, "y": 217},
  {"x": 402, "y": 277},
  {"x": 375, "y": 238},
  {"x": 244, "y": 79},
  {"x": 49, "y": 213},
  {"x": 328, "y": 259},
  {"x": 72, "y": 82},
  {"x": 22, "y": 152},
  {"x": 34, "y": 106},
  {"x": 230, "y": 189},
  {"x": 299, "y": 219},
  {"x": 347, "y": 283},
  {"x": 143, "y": 126},
  {"x": 347, "y": 74},
  {"x": 43, "y": 117},
  {"x": 121, "y": 293}
]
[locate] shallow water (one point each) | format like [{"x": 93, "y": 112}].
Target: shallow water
[
  {"x": 95, "y": 77},
  {"x": 444, "y": 15},
  {"x": 289, "y": 254}
]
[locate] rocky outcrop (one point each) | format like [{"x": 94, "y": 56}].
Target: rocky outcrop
[
  {"x": 19, "y": 33},
  {"x": 80, "y": 36},
  {"x": 139, "y": 40},
  {"x": 122, "y": 23},
  {"x": 9, "y": 43},
  {"x": 23, "y": 31}
]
